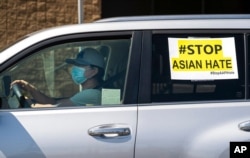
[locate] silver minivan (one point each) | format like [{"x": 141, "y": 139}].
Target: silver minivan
[{"x": 173, "y": 86}]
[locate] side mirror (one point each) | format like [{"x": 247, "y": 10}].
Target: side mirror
[
  {"x": 6, "y": 85},
  {"x": 4, "y": 90}
]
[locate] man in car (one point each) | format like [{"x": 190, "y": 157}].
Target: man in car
[{"x": 87, "y": 71}]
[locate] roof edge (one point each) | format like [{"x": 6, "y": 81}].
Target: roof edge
[{"x": 174, "y": 17}]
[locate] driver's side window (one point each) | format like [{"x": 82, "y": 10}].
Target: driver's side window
[{"x": 47, "y": 70}]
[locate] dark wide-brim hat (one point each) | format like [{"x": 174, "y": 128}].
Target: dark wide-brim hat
[{"x": 88, "y": 56}]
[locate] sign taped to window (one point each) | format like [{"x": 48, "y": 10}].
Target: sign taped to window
[
  {"x": 111, "y": 96},
  {"x": 202, "y": 58}
]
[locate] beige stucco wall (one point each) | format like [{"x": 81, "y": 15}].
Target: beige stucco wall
[{"x": 21, "y": 17}]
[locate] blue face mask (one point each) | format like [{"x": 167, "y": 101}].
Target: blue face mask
[{"x": 78, "y": 74}]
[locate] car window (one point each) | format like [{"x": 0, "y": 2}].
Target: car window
[
  {"x": 248, "y": 65},
  {"x": 47, "y": 70},
  {"x": 190, "y": 67}
]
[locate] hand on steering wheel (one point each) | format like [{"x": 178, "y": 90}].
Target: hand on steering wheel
[{"x": 16, "y": 90}]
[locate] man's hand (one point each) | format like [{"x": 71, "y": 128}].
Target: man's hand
[{"x": 24, "y": 85}]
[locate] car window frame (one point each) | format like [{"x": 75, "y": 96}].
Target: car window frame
[
  {"x": 146, "y": 60},
  {"x": 132, "y": 78}
]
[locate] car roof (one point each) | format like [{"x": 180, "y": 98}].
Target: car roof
[
  {"x": 176, "y": 17},
  {"x": 133, "y": 23}
]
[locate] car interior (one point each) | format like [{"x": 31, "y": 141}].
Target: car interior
[{"x": 47, "y": 70}]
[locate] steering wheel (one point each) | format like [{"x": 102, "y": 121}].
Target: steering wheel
[{"x": 19, "y": 95}]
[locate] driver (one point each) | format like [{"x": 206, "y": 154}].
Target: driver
[{"x": 87, "y": 71}]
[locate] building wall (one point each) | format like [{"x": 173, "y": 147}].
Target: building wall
[{"x": 21, "y": 17}]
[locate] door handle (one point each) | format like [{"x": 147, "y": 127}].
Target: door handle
[
  {"x": 109, "y": 131},
  {"x": 245, "y": 126}
]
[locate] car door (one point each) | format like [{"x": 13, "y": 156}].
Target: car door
[
  {"x": 106, "y": 130},
  {"x": 190, "y": 109}
]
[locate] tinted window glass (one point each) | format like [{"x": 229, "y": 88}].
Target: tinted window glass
[
  {"x": 47, "y": 70},
  {"x": 197, "y": 67},
  {"x": 248, "y": 64}
]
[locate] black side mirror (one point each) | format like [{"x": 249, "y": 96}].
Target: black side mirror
[{"x": 6, "y": 85}]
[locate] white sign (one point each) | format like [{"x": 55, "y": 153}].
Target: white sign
[{"x": 202, "y": 58}]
